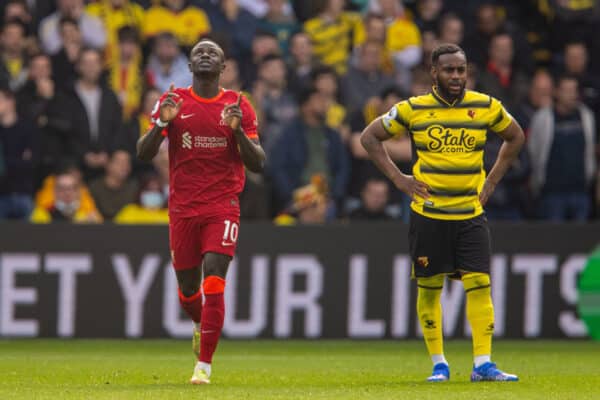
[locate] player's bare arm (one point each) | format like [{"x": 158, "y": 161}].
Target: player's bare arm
[
  {"x": 372, "y": 139},
  {"x": 251, "y": 152},
  {"x": 513, "y": 141},
  {"x": 148, "y": 145}
]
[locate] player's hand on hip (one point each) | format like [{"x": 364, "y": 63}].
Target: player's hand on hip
[
  {"x": 232, "y": 113},
  {"x": 413, "y": 187},
  {"x": 486, "y": 192},
  {"x": 170, "y": 106}
]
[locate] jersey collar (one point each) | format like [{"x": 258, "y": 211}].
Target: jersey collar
[
  {"x": 441, "y": 100},
  {"x": 202, "y": 99}
]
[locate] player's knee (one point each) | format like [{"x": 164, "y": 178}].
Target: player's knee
[
  {"x": 216, "y": 265},
  {"x": 188, "y": 290}
]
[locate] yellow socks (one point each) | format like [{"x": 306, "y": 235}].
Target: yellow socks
[
  {"x": 480, "y": 313},
  {"x": 429, "y": 310}
]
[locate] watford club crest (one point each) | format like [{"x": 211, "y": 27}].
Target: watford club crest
[
  {"x": 471, "y": 114},
  {"x": 423, "y": 261}
]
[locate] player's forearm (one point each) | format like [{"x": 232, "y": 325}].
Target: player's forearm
[
  {"x": 148, "y": 145},
  {"x": 252, "y": 154},
  {"x": 509, "y": 152},
  {"x": 380, "y": 157}
]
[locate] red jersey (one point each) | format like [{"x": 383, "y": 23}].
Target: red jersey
[{"x": 206, "y": 173}]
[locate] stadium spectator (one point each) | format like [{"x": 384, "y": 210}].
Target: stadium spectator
[
  {"x": 280, "y": 22},
  {"x": 309, "y": 204},
  {"x": 18, "y": 10},
  {"x": 275, "y": 107},
  {"x": 399, "y": 148},
  {"x": 490, "y": 22},
  {"x": 19, "y": 141},
  {"x": 366, "y": 80},
  {"x": 428, "y": 14},
  {"x": 301, "y": 62},
  {"x": 561, "y": 146},
  {"x": 539, "y": 96},
  {"x": 114, "y": 190},
  {"x": 429, "y": 41},
  {"x": 403, "y": 36},
  {"x": 126, "y": 77},
  {"x": 230, "y": 78},
  {"x": 263, "y": 45},
  {"x": 511, "y": 198},
  {"x": 502, "y": 78},
  {"x": 91, "y": 115},
  {"x": 331, "y": 22},
  {"x": 115, "y": 14},
  {"x": 67, "y": 205},
  {"x": 38, "y": 90},
  {"x": 326, "y": 82},
  {"x": 65, "y": 60},
  {"x": 184, "y": 21},
  {"x": 160, "y": 162},
  {"x": 576, "y": 64},
  {"x": 92, "y": 29},
  {"x": 141, "y": 124},
  {"x": 451, "y": 29},
  {"x": 375, "y": 31},
  {"x": 375, "y": 197},
  {"x": 33, "y": 102},
  {"x": 150, "y": 207},
  {"x": 238, "y": 25},
  {"x": 167, "y": 64},
  {"x": 13, "y": 60},
  {"x": 308, "y": 147}
]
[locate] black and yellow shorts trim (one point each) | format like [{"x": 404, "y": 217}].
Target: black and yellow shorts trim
[{"x": 448, "y": 247}]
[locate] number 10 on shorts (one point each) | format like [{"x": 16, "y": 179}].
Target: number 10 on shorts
[{"x": 231, "y": 232}]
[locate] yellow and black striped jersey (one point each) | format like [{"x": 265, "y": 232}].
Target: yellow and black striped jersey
[
  {"x": 448, "y": 141},
  {"x": 332, "y": 40}
]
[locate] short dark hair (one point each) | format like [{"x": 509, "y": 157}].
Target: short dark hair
[
  {"x": 65, "y": 19},
  {"x": 393, "y": 89},
  {"x": 15, "y": 21},
  {"x": 128, "y": 33},
  {"x": 322, "y": 70},
  {"x": 271, "y": 57},
  {"x": 566, "y": 77},
  {"x": 7, "y": 92},
  {"x": 305, "y": 94},
  {"x": 445, "y": 48}
]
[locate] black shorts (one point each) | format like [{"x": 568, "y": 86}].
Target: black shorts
[{"x": 448, "y": 247}]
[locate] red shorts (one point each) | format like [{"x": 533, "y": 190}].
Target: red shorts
[{"x": 190, "y": 238}]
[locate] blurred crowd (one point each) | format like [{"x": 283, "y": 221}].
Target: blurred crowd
[{"x": 78, "y": 82}]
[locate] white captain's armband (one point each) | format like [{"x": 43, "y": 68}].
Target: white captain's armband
[{"x": 390, "y": 122}]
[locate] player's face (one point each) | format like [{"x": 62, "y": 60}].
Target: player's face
[
  {"x": 450, "y": 74},
  {"x": 206, "y": 58}
]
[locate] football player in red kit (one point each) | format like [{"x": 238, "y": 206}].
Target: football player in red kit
[{"x": 212, "y": 135}]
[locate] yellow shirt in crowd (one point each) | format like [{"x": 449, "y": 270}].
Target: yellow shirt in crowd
[
  {"x": 136, "y": 214},
  {"x": 131, "y": 14},
  {"x": 188, "y": 24}
]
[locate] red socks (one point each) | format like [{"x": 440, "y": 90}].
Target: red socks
[
  {"x": 213, "y": 316},
  {"x": 192, "y": 305}
]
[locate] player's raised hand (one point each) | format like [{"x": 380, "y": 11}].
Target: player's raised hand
[
  {"x": 232, "y": 113},
  {"x": 170, "y": 106},
  {"x": 412, "y": 187}
]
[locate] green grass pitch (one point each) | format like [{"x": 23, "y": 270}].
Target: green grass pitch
[{"x": 120, "y": 369}]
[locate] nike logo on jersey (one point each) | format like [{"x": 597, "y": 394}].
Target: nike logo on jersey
[
  {"x": 225, "y": 244},
  {"x": 185, "y": 116}
]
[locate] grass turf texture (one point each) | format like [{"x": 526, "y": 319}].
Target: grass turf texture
[{"x": 119, "y": 369}]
